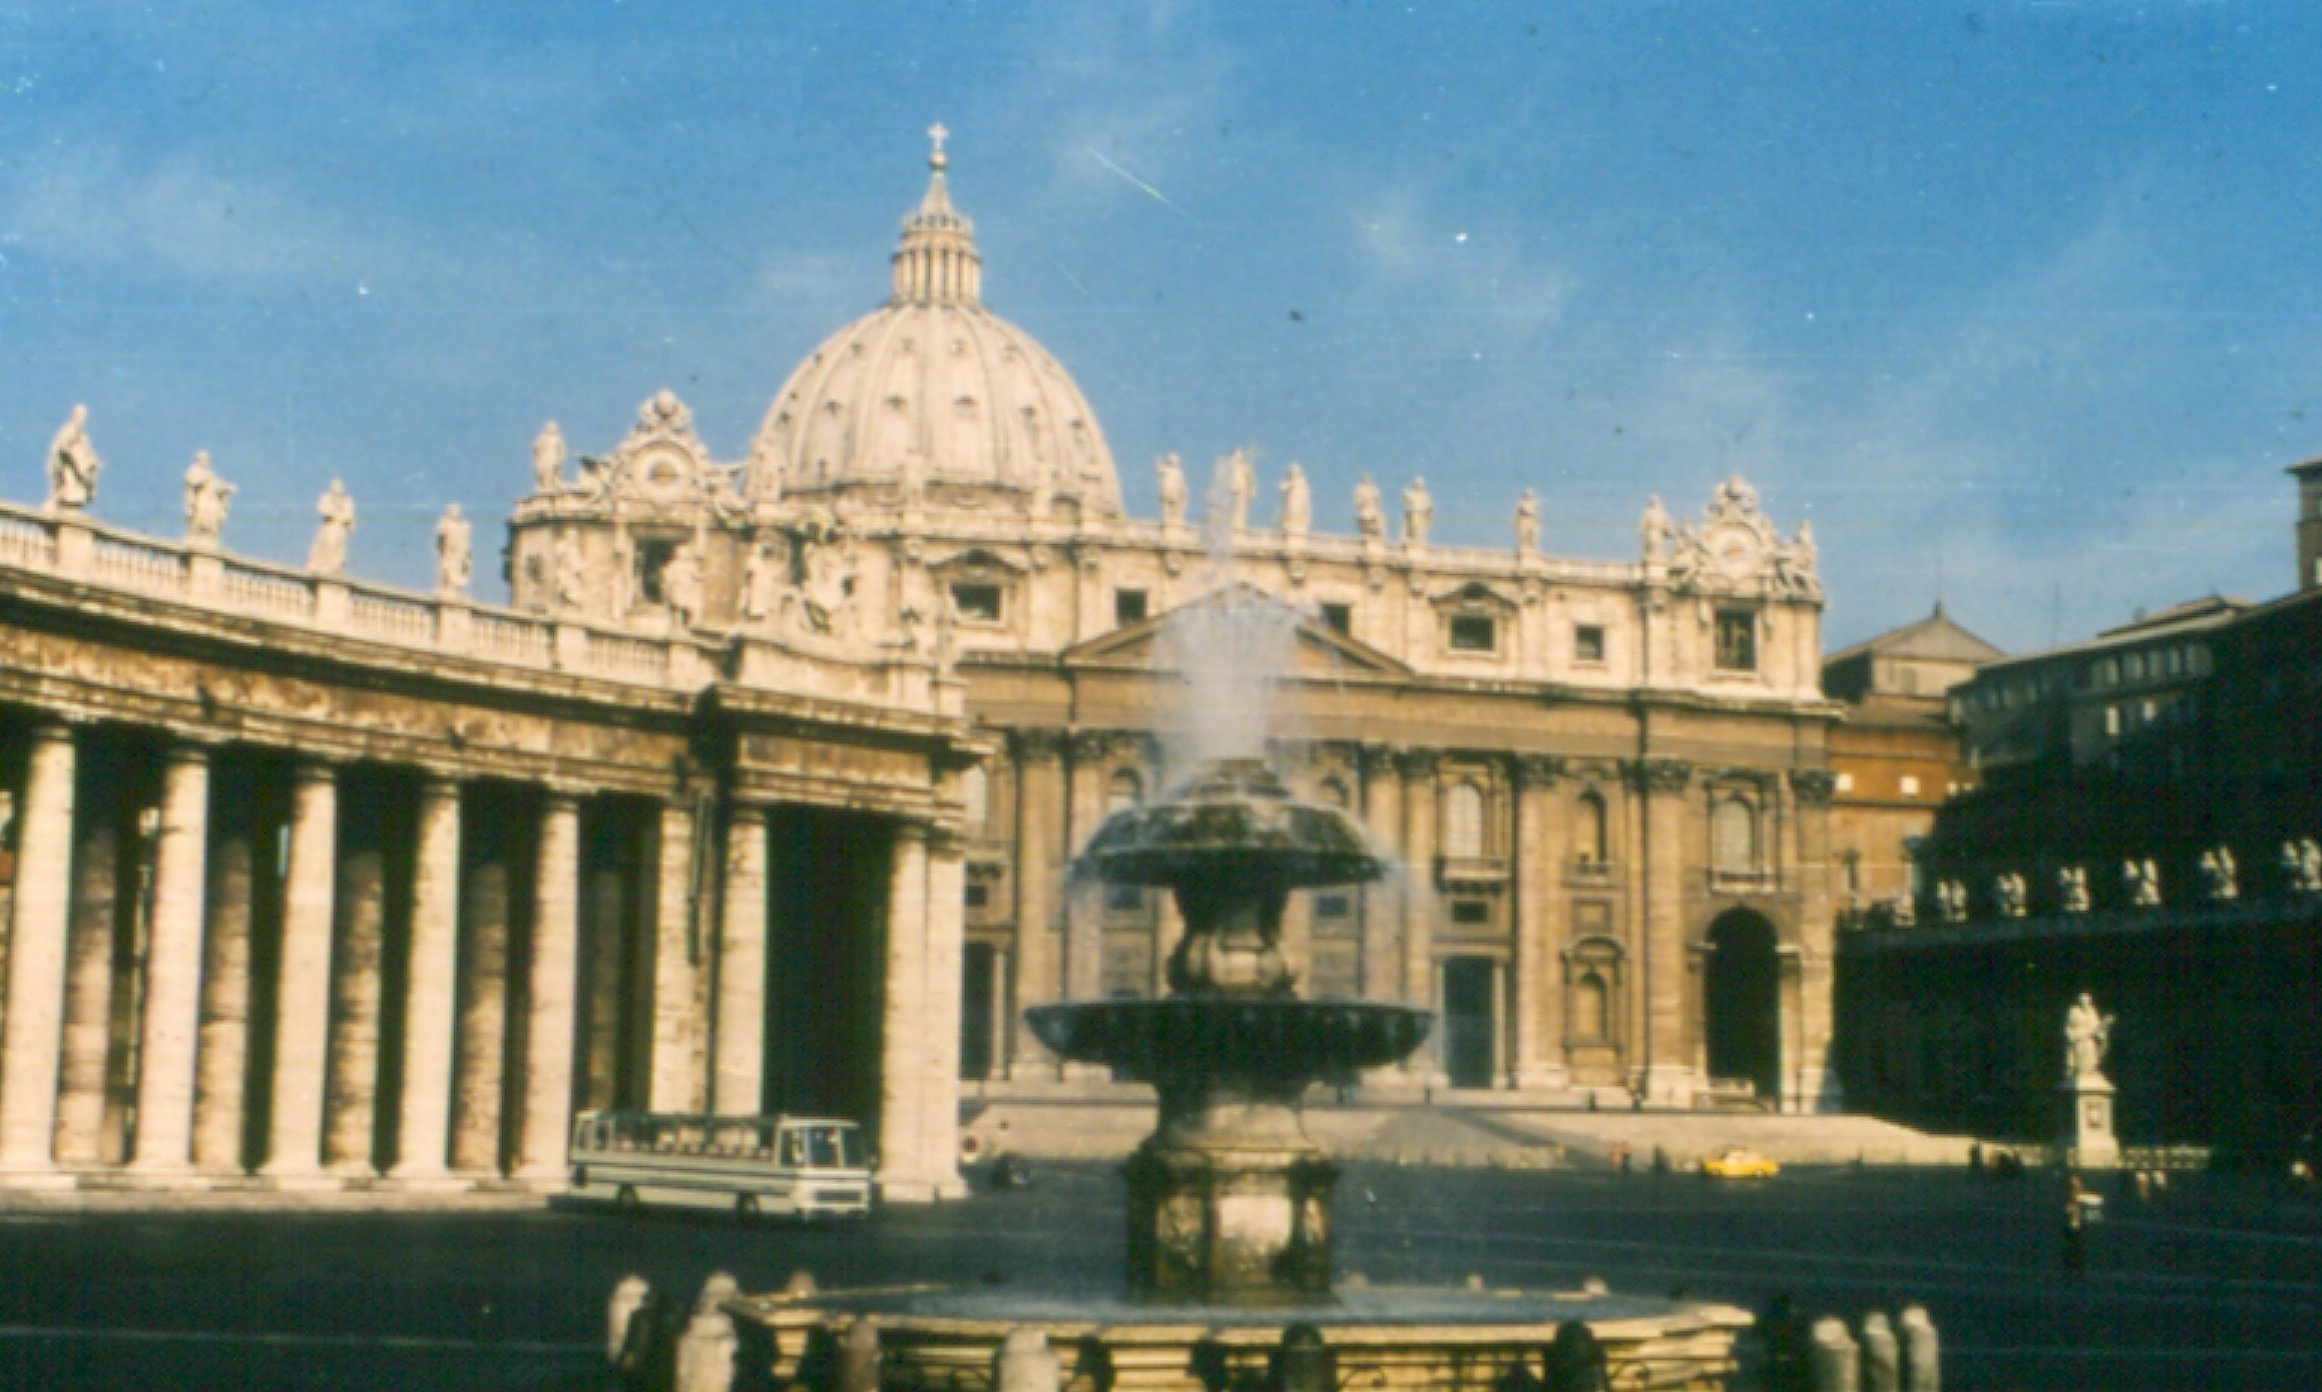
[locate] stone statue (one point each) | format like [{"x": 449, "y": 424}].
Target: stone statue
[
  {"x": 2220, "y": 878},
  {"x": 572, "y": 573},
  {"x": 1232, "y": 488},
  {"x": 328, "y": 555},
  {"x": 824, "y": 606},
  {"x": 1951, "y": 898},
  {"x": 454, "y": 559},
  {"x": 1903, "y": 910},
  {"x": 1655, "y": 529},
  {"x": 762, "y": 576},
  {"x": 2087, "y": 1036},
  {"x": 1418, "y": 512},
  {"x": 1794, "y": 563},
  {"x": 548, "y": 460},
  {"x": 1370, "y": 517},
  {"x": 2009, "y": 890},
  {"x": 2072, "y": 889},
  {"x": 2302, "y": 866},
  {"x": 681, "y": 584},
  {"x": 73, "y": 464},
  {"x": 2141, "y": 883},
  {"x": 205, "y": 501},
  {"x": 1297, "y": 503},
  {"x": 1172, "y": 483},
  {"x": 1528, "y": 523}
]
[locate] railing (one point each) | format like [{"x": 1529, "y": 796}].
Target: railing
[
  {"x": 636, "y": 657},
  {"x": 139, "y": 567},
  {"x": 267, "y": 591},
  {"x": 390, "y": 616},
  {"x": 519, "y": 640},
  {"x": 25, "y": 542}
]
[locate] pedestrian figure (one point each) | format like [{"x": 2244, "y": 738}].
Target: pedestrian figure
[
  {"x": 2075, "y": 1238},
  {"x": 1660, "y": 1160}
]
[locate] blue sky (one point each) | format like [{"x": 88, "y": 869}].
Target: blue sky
[{"x": 2018, "y": 302}]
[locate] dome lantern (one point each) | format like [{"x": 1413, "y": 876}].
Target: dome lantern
[{"x": 937, "y": 262}]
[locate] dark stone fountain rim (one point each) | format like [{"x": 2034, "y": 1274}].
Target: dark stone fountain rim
[
  {"x": 1293, "y": 1039},
  {"x": 1450, "y": 1314}
]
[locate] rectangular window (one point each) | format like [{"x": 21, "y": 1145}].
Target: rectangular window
[
  {"x": 1128, "y": 607},
  {"x": 976, "y": 895},
  {"x": 1474, "y": 633},
  {"x": 1124, "y": 899},
  {"x": 2112, "y": 720},
  {"x": 977, "y": 603},
  {"x": 1737, "y": 640},
  {"x": 1845, "y": 783},
  {"x": 1471, "y": 913},
  {"x": 1339, "y": 618},
  {"x": 1330, "y": 908},
  {"x": 1588, "y": 643},
  {"x": 1910, "y": 785}
]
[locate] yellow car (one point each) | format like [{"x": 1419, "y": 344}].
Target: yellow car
[{"x": 1739, "y": 1162}]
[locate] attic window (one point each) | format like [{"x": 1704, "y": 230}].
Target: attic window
[
  {"x": 1588, "y": 643},
  {"x": 977, "y": 603},
  {"x": 1128, "y": 607},
  {"x": 1737, "y": 640},
  {"x": 1474, "y": 633},
  {"x": 1339, "y": 618}
]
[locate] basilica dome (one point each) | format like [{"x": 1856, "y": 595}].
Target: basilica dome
[{"x": 934, "y": 393}]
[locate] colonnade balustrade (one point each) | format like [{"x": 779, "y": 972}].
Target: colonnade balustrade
[{"x": 224, "y": 963}]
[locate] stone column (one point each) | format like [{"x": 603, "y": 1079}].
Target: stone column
[
  {"x": 429, "y": 1012},
  {"x": 222, "y": 1057},
  {"x": 31, "y": 1030},
  {"x": 1382, "y": 903},
  {"x": 553, "y": 983},
  {"x": 738, "y": 1083},
  {"x": 1420, "y": 985},
  {"x": 940, "y": 1021},
  {"x": 104, "y": 853},
  {"x": 488, "y": 891},
  {"x": 173, "y": 967},
  {"x": 1084, "y": 908},
  {"x": 1539, "y": 1005},
  {"x": 677, "y": 1077},
  {"x": 1663, "y": 784},
  {"x": 1817, "y": 1084},
  {"x": 351, "y": 1083},
  {"x": 1039, "y": 877},
  {"x": 902, "y": 1050},
  {"x": 303, "y": 1002}
]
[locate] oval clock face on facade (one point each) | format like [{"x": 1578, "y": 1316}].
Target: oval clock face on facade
[
  {"x": 1734, "y": 549},
  {"x": 664, "y": 479}
]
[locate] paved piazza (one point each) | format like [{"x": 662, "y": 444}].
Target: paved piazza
[{"x": 2217, "y": 1287}]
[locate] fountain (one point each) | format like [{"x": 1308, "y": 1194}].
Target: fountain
[{"x": 1229, "y": 1245}]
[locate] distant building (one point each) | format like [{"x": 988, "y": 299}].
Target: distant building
[
  {"x": 1896, "y": 754},
  {"x": 2148, "y": 828}
]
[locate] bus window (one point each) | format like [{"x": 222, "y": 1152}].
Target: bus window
[{"x": 793, "y": 1148}]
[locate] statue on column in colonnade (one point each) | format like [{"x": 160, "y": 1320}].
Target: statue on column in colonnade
[
  {"x": 328, "y": 555},
  {"x": 454, "y": 560},
  {"x": 1528, "y": 524},
  {"x": 1370, "y": 516},
  {"x": 548, "y": 460},
  {"x": 1172, "y": 486},
  {"x": 1418, "y": 512},
  {"x": 205, "y": 501},
  {"x": 1297, "y": 503},
  {"x": 73, "y": 464}
]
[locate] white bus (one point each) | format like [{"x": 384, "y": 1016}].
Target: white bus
[{"x": 805, "y": 1166}]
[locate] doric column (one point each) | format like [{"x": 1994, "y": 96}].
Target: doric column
[
  {"x": 423, "y": 1125},
  {"x": 1418, "y": 767},
  {"x": 223, "y": 1055},
  {"x": 303, "y": 999},
  {"x": 351, "y": 1081},
  {"x": 1662, "y": 783},
  {"x": 737, "y": 1085},
  {"x": 902, "y": 1053},
  {"x": 31, "y": 1031},
  {"x": 1539, "y": 1001},
  {"x": 1382, "y": 908},
  {"x": 946, "y": 952},
  {"x": 1817, "y": 1085},
  {"x": 1039, "y": 878},
  {"x": 173, "y": 967},
  {"x": 1084, "y": 938},
  {"x": 552, "y": 984},
  {"x": 488, "y": 902},
  {"x": 677, "y": 1076},
  {"x": 103, "y": 856}
]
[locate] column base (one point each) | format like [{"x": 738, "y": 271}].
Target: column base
[
  {"x": 303, "y": 1182},
  {"x": 1670, "y": 1085},
  {"x": 352, "y": 1170},
  {"x": 180, "y": 1177},
  {"x": 1546, "y": 1078},
  {"x": 427, "y": 1182},
  {"x": 47, "y": 1180}
]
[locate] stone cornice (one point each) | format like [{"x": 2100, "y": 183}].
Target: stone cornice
[{"x": 1661, "y": 775}]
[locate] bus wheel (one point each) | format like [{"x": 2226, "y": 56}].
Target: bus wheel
[
  {"x": 746, "y": 1207},
  {"x": 625, "y": 1199}
]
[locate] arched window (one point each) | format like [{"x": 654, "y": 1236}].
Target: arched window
[
  {"x": 1463, "y": 821},
  {"x": 1733, "y": 837},
  {"x": 1588, "y": 1007},
  {"x": 1592, "y": 831},
  {"x": 1126, "y": 790},
  {"x": 975, "y": 791}
]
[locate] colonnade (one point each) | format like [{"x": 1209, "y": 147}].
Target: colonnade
[{"x": 322, "y": 973}]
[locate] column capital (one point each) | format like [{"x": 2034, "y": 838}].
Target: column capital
[
  {"x": 1536, "y": 770},
  {"x": 315, "y": 768},
  {"x": 1376, "y": 760},
  {"x": 555, "y": 793},
  {"x": 1418, "y": 765},
  {"x": 1661, "y": 775},
  {"x": 1037, "y": 746},
  {"x": 913, "y": 830},
  {"x": 1813, "y": 786},
  {"x": 740, "y": 813},
  {"x": 1092, "y": 746}
]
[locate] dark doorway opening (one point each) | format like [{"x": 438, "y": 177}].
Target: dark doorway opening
[
  {"x": 1743, "y": 1004},
  {"x": 979, "y": 990},
  {"x": 1470, "y": 1021},
  {"x": 826, "y": 961}
]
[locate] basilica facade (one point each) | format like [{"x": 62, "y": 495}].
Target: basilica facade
[{"x": 762, "y": 791}]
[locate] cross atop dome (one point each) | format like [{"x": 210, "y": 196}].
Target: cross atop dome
[{"x": 938, "y": 134}]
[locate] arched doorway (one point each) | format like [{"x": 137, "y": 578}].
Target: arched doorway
[{"x": 1741, "y": 1003}]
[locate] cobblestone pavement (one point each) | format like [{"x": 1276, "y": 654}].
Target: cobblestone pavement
[{"x": 2219, "y": 1286}]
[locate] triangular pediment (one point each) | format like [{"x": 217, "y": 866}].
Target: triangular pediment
[{"x": 1319, "y": 651}]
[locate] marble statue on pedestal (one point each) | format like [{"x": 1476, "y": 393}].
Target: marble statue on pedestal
[
  {"x": 205, "y": 501},
  {"x": 1297, "y": 503},
  {"x": 681, "y": 585},
  {"x": 2087, "y": 1093},
  {"x": 548, "y": 460},
  {"x": 2087, "y": 1037},
  {"x": 2220, "y": 878},
  {"x": 328, "y": 555},
  {"x": 1231, "y": 489},
  {"x": 1171, "y": 482},
  {"x": 2302, "y": 866},
  {"x": 1951, "y": 898},
  {"x": 73, "y": 464},
  {"x": 1418, "y": 513},
  {"x": 1654, "y": 530},
  {"x": 2010, "y": 891},
  {"x": 2072, "y": 889},
  {"x": 1528, "y": 523},
  {"x": 1370, "y": 516},
  {"x": 2141, "y": 882},
  {"x": 454, "y": 556}
]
